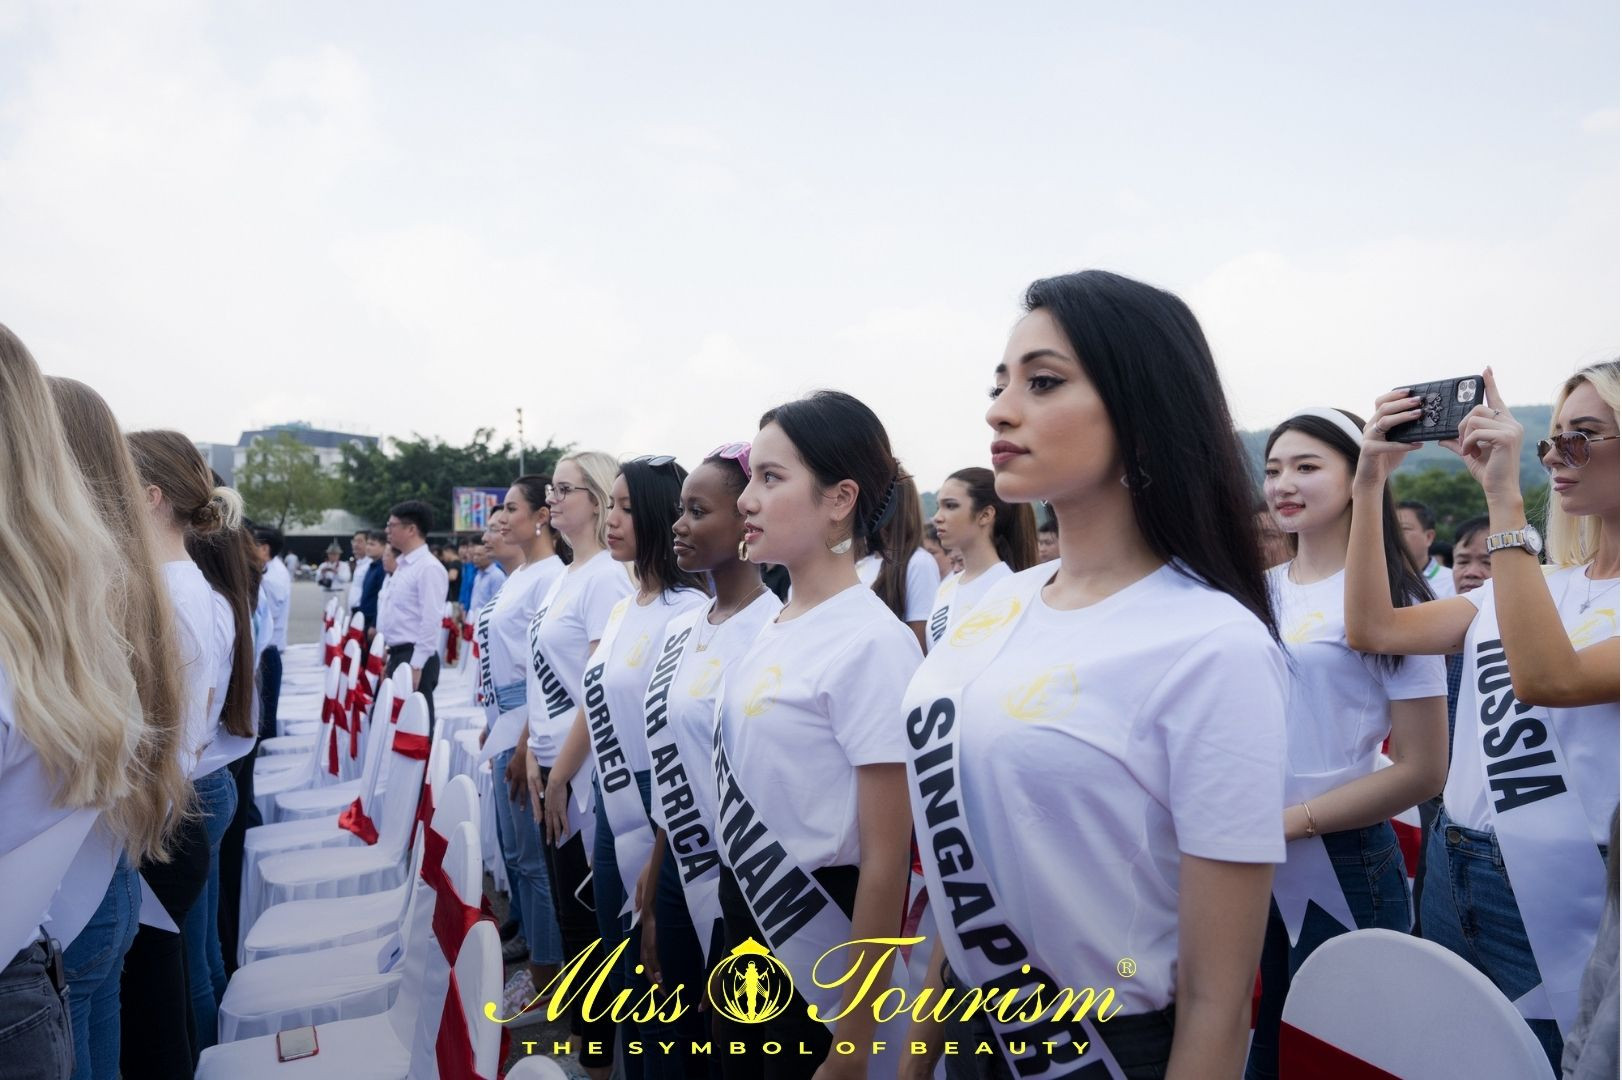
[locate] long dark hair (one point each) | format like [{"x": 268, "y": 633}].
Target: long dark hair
[
  {"x": 1406, "y": 585},
  {"x": 230, "y": 564},
  {"x": 1149, "y": 361},
  {"x": 533, "y": 486},
  {"x": 1014, "y": 529},
  {"x": 839, "y": 438},
  {"x": 900, "y": 537},
  {"x": 655, "y": 493}
]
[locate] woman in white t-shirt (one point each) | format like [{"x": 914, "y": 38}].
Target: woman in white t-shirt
[
  {"x": 811, "y": 797},
  {"x": 897, "y": 567},
  {"x": 1097, "y": 753},
  {"x": 1342, "y": 707},
  {"x": 502, "y": 632},
  {"x": 1515, "y": 881},
  {"x": 995, "y": 539},
  {"x": 184, "y": 503},
  {"x": 72, "y": 734},
  {"x": 562, "y": 634}
]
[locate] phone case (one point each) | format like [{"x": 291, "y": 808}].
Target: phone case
[
  {"x": 1445, "y": 404},
  {"x": 315, "y": 1046}
]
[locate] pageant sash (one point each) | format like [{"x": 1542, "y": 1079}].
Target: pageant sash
[
  {"x": 622, "y": 799},
  {"x": 800, "y": 921},
  {"x": 983, "y": 945},
  {"x": 1549, "y": 854},
  {"x": 557, "y": 703},
  {"x": 1307, "y": 874},
  {"x": 481, "y": 650},
  {"x": 691, "y": 838},
  {"x": 940, "y": 616},
  {"x": 33, "y": 871}
]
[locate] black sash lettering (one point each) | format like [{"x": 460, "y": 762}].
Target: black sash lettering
[
  {"x": 613, "y": 770},
  {"x": 1511, "y": 783}
]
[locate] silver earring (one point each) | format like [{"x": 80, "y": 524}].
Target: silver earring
[
  {"x": 839, "y": 548},
  {"x": 1138, "y": 482}
]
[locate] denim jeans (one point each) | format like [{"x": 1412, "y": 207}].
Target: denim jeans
[
  {"x": 1369, "y": 866},
  {"x": 94, "y": 963},
  {"x": 680, "y": 954},
  {"x": 205, "y": 963},
  {"x": 527, "y": 877},
  {"x": 36, "y": 1040},
  {"x": 270, "y": 690},
  {"x": 1470, "y": 909}
]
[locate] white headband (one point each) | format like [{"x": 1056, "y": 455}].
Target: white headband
[{"x": 1336, "y": 417}]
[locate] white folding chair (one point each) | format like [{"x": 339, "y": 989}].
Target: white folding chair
[
  {"x": 380, "y": 1046},
  {"x": 290, "y": 772},
  {"x": 333, "y": 798},
  {"x": 478, "y": 980},
  {"x": 1377, "y": 999},
  {"x": 537, "y": 1068},
  {"x": 289, "y": 851},
  {"x": 300, "y": 926},
  {"x": 301, "y": 736},
  {"x": 346, "y": 981}
]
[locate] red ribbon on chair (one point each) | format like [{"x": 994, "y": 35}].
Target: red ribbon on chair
[
  {"x": 329, "y": 653},
  {"x": 374, "y": 666},
  {"x": 332, "y": 710},
  {"x": 453, "y": 1049},
  {"x": 452, "y": 640},
  {"x": 1303, "y": 1054},
  {"x": 355, "y": 820},
  {"x": 394, "y": 710},
  {"x": 415, "y": 747},
  {"x": 360, "y": 700},
  {"x": 467, "y": 631}
]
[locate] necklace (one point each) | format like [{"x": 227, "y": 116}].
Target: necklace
[
  {"x": 715, "y": 628},
  {"x": 1589, "y": 601}
]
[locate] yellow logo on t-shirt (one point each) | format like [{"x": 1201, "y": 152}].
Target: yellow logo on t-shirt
[
  {"x": 1597, "y": 627},
  {"x": 638, "y": 653},
  {"x": 1052, "y": 694},
  {"x": 704, "y": 685},
  {"x": 1300, "y": 632},
  {"x": 764, "y": 695},
  {"x": 981, "y": 623}
]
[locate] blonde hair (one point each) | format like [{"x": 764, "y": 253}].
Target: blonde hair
[
  {"x": 1571, "y": 540},
  {"x": 73, "y": 696},
  {"x": 599, "y": 470},
  {"x": 141, "y": 612}
]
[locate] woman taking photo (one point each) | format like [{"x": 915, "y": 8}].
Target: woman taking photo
[
  {"x": 1136, "y": 688},
  {"x": 141, "y": 605},
  {"x": 995, "y": 539},
  {"x": 73, "y": 742},
  {"x": 1515, "y": 882},
  {"x": 562, "y": 636},
  {"x": 503, "y": 636},
  {"x": 1342, "y": 706},
  {"x": 809, "y": 756}
]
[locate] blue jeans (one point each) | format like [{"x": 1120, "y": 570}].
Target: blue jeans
[
  {"x": 530, "y": 885},
  {"x": 205, "y": 963},
  {"x": 36, "y": 1040},
  {"x": 1369, "y": 866},
  {"x": 1470, "y": 909},
  {"x": 680, "y": 954},
  {"x": 94, "y": 963}
]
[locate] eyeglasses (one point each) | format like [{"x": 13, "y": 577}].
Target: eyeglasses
[
  {"x": 1572, "y": 446},
  {"x": 556, "y": 493},
  {"x": 732, "y": 451}
]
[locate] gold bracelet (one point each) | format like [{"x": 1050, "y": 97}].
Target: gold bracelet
[{"x": 1312, "y": 824}]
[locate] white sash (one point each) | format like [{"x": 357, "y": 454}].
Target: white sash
[
  {"x": 1307, "y": 874},
  {"x": 33, "y": 871},
  {"x": 940, "y": 615},
  {"x": 1549, "y": 854},
  {"x": 622, "y": 800},
  {"x": 800, "y": 921},
  {"x": 984, "y": 947},
  {"x": 690, "y": 837},
  {"x": 557, "y": 706}
]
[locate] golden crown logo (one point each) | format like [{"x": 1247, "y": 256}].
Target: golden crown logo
[
  {"x": 764, "y": 695},
  {"x": 982, "y": 622},
  {"x": 751, "y": 985},
  {"x": 639, "y": 652},
  {"x": 1046, "y": 697},
  {"x": 1301, "y": 632},
  {"x": 704, "y": 685}
]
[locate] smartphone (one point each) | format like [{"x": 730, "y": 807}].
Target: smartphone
[
  {"x": 296, "y": 1043},
  {"x": 1444, "y": 406}
]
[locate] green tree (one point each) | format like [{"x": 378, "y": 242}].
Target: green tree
[
  {"x": 375, "y": 478},
  {"x": 282, "y": 482}
]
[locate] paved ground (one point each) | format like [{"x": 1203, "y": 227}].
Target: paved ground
[{"x": 304, "y": 619}]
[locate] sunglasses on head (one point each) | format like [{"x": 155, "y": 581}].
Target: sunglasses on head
[
  {"x": 732, "y": 451},
  {"x": 654, "y": 461},
  {"x": 1572, "y": 446}
]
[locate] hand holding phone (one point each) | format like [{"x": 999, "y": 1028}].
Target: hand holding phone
[
  {"x": 296, "y": 1043},
  {"x": 1443, "y": 406}
]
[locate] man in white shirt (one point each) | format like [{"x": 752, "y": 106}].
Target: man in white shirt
[
  {"x": 1418, "y": 527},
  {"x": 412, "y": 608},
  {"x": 357, "y": 575},
  {"x": 278, "y": 585}
]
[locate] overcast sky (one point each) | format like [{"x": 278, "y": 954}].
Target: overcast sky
[{"x": 645, "y": 223}]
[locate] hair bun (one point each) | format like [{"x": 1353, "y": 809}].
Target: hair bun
[{"x": 229, "y": 501}]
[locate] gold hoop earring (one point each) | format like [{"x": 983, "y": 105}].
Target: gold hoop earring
[{"x": 743, "y": 551}]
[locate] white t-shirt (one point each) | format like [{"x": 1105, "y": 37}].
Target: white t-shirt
[
  {"x": 636, "y": 647},
  {"x": 690, "y": 703},
  {"x": 923, "y": 578},
  {"x": 510, "y": 614},
  {"x": 811, "y": 699},
  {"x": 563, "y": 633},
  {"x": 1338, "y": 704},
  {"x": 193, "y": 602},
  {"x": 1439, "y": 578},
  {"x": 1588, "y": 735},
  {"x": 224, "y": 747},
  {"x": 1104, "y": 743},
  {"x": 953, "y": 598}
]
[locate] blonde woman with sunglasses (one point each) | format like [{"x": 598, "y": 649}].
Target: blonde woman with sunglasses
[{"x": 1533, "y": 780}]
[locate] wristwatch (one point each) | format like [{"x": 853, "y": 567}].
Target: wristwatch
[{"x": 1527, "y": 538}]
